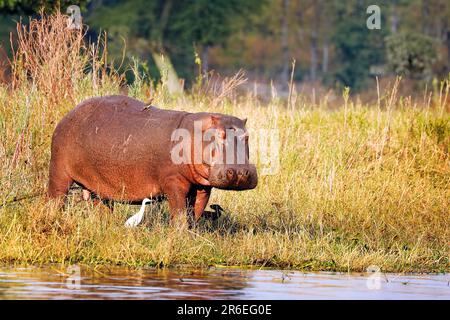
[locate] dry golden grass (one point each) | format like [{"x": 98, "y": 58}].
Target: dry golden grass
[{"x": 361, "y": 185}]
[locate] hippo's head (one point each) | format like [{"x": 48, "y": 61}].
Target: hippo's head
[{"x": 224, "y": 152}]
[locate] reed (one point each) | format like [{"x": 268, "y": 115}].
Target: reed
[{"x": 358, "y": 184}]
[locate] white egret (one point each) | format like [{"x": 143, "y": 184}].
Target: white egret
[{"x": 138, "y": 217}]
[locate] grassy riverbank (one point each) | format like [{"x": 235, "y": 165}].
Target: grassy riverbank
[{"x": 358, "y": 185}]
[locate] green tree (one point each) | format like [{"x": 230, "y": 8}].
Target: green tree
[
  {"x": 169, "y": 27},
  {"x": 32, "y": 6},
  {"x": 411, "y": 54},
  {"x": 137, "y": 28},
  {"x": 209, "y": 22},
  {"x": 357, "y": 48}
]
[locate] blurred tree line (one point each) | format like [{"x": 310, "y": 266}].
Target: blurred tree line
[{"x": 329, "y": 39}]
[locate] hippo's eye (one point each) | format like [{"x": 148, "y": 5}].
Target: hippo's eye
[
  {"x": 221, "y": 141},
  {"x": 220, "y": 137}
]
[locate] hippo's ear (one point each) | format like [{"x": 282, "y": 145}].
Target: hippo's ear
[
  {"x": 214, "y": 120},
  {"x": 210, "y": 121}
]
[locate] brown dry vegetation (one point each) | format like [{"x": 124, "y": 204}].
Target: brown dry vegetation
[
  {"x": 360, "y": 185},
  {"x": 5, "y": 68}
]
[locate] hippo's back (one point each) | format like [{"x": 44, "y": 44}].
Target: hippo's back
[
  {"x": 99, "y": 110},
  {"x": 103, "y": 121}
]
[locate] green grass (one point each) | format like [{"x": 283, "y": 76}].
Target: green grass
[
  {"x": 356, "y": 187},
  {"x": 358, "y": 184}
]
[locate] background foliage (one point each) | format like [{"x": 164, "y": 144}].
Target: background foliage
[{"x": 328, "y": 38}]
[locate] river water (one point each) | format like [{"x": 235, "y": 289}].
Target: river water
[{"x": 218, "y": 283}]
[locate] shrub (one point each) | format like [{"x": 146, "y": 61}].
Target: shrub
[{"x": 411, "y": 54}]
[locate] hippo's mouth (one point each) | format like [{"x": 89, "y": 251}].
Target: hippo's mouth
[{"x": 237, "y": 177}]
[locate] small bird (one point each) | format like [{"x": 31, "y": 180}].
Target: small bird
[
  {"x": 138, "y": 217},
  {"x": 213, "y": 215}
]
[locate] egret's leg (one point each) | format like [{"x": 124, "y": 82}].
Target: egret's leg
[{"x": 86, "y": 195}]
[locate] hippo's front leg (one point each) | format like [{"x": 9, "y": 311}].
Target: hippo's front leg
[
  {"x": 201, "y": 200},
  {"x": 176, "y": 190}
]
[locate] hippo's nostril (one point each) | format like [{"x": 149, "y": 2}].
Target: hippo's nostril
[{"x": 244, "y": 173}]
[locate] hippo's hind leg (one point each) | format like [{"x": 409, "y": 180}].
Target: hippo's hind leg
[{"x": 88, "y": 195}]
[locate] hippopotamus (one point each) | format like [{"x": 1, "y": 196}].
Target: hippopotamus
[{"x": 122, "y": 149}]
